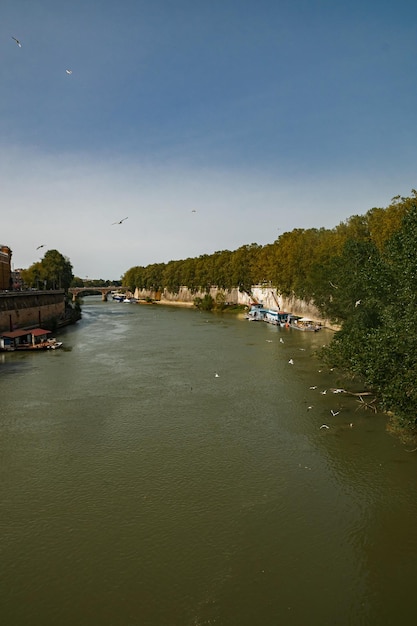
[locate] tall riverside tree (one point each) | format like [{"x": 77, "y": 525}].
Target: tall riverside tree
[
  {"x": 54, "y": 271},
  {"x": 378, "y": 339}
]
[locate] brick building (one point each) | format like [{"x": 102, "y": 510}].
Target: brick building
[{"x": 5, "y": 268}]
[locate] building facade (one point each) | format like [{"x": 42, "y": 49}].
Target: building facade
[{"x": 5, "y": 268}]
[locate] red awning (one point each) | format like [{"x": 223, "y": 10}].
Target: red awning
[
  {"x": 16, "y": 333},
  {"x": 36, "y": 332}
]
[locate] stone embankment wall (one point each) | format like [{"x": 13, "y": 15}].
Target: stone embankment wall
[
  {"x": 25, "y": 309},
  {"x": 268, "y": 296},
  {"x": 185, "y": 297}
]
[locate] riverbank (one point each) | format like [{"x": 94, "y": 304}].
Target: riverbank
[{"x": 267, "y": 296}]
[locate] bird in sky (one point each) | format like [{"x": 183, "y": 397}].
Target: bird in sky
[
  {"x": 193, "y": 211},
  {"x": 120, "y": 222},
  {"x": 41, "y": 246},
  {"x": 357, "y": 303},
  {"x": 334, "y": 413},
  {"x": 324, "y": 426},
  {"x": 17, "y": 41},
  {"x": 216, "y": 375},
  {"x": 68, "y": 71},
  {"x": 291, "y": 362}
]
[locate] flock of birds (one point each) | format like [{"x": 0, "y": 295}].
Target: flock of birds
[
  {"x": 313, "y": 387},
  {"x": 333, "y": 412}
]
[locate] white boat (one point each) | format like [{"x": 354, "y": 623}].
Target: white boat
[
  {"x": 53, "y": 344},
  {"x": 306, "y": 324}
]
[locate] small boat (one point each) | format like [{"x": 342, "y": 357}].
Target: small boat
[
  {"x": 305, "y": 324},
  {"x": 53, "y": 344}
]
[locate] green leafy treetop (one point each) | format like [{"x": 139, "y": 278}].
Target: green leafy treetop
[{"x": 54, "y": 271}]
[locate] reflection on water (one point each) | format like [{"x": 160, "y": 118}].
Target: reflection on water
[{"x": 140, "y": 488}]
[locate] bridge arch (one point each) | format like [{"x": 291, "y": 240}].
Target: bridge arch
[{"x": 76, "y": 291}]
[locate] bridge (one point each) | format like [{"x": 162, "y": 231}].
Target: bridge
[{"x": 76, "y": 291}]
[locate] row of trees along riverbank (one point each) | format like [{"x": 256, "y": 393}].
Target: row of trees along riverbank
[{"x": 362, "y": 274}]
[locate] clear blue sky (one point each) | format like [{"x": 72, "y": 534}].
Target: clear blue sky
[{"x": 261, "y": 116}]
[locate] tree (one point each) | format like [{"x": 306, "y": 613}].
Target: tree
[
  {"x": 77, "y": 282},
  {"x": 56, "y": 270},
  {"x": 378, "y": 339},
  {"x": 31, "y": 277}
]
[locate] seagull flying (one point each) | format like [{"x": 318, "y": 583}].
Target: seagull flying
[
  {"x": 125, "y": 218},
  {"x": 281, "y": 340},
  {"x": 68, "y": 71},
  {"x": 41, "y": 246},
  {"x": 216, "y": 375},
  {"x": 291, "y": 362},
  {"x": 357, "y": 303},
  {"x": 334, "y": 413},
  {"x": 17, "y": 41},
  {"x": 324, "y": 426}
]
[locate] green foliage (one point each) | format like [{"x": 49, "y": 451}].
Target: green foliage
[
  {"x": 54, "y": 271},
  {"x": 361, "y": 274},
  {"x": 378, "y": 339},
  {"x": 77, "y": 282},
  {"x": 204, "y": 304}
]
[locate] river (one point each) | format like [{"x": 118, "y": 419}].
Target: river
[{"x": 167, "y": 467}]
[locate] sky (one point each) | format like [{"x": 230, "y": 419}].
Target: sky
[{"x": 208, "y": 125}]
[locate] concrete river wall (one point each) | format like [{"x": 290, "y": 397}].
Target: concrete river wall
[{"x": 25, "y": 309}]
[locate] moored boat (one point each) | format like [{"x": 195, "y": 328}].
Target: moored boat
[
  {"x": 257, "y": 313},
  {"x": 28, "y": 340},
  {"x": 305, "y": 324},
  {"x": 277, "y": 318}
]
